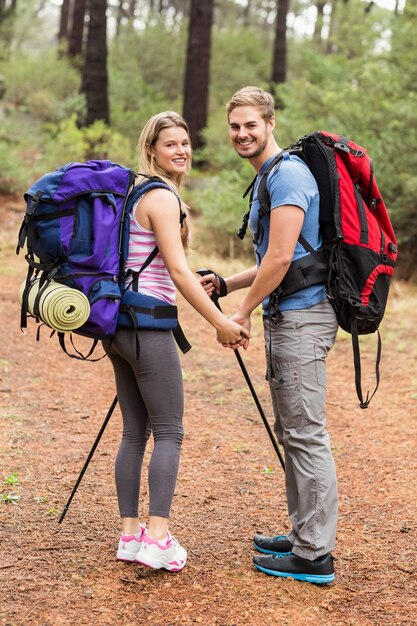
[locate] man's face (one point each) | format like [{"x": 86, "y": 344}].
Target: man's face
[{"x": 249, "y": 132}]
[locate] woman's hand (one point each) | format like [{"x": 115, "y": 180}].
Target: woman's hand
[
  {"x": 232, "y": 335},
  {"x": 243, "y": 320}
]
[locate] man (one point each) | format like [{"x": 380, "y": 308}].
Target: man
[{"x": 297, "y": 339}]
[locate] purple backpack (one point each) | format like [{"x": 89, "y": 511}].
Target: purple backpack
[{"x": 76, "y": 229}]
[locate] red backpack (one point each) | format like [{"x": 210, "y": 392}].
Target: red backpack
[{"x": 359, "y": 246}]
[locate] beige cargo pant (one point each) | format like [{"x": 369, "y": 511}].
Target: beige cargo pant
[{"x": 296, "y": 350}]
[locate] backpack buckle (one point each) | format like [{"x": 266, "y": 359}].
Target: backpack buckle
[
  {"x": 341, "y": 146},
  {"x": 33, "y": 204}
]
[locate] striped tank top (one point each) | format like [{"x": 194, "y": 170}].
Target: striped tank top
[{"x": 155, "y": 279}]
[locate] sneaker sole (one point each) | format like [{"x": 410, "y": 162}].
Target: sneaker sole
[
  {"x": 125, "y": 556},
  {"x": 270, "y": 551},
  {"x": 158, "y": 565},
  {"x": 323, "y": 579}
]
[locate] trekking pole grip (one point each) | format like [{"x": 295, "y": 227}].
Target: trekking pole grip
[{"x": 215, "y": 296}]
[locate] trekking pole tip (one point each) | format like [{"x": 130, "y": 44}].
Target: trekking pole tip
[{"x": 64, "y": 512}]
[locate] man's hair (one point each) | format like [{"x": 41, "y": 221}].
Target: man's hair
[{"x": 253, "y": 97}]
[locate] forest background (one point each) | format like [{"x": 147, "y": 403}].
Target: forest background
[{"x": 79, "y": 78}]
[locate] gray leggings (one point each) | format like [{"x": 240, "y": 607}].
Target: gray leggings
[{"x": 150, "y": 394}]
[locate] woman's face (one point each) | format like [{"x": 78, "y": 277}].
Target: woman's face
[{"x": 172, "y": 151}]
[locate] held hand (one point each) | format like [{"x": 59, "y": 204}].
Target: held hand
[
  {"x": 232, "y": 335},
  {"x": 213, "y": 283},
  {"x": 243, "y": 320},
  {"x": 210, "y": 283}
]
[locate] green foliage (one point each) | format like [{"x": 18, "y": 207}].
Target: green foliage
[
  {"x": 145, "y": 77},
  {"x": 360, "y": 82},
  {"x": 12, "y": 479},
  {"x": 240, "y": 56},
  {"x": 219, "y": 200},
  {"x": 9, "y": 498},
  {"x": 12, "y": 172},
  {"x": 19, "y": 139},
  {"x": 47, "y": 89},
  {"x": 133, "y": 101},
  {"x": 157, "y": 55},
  {"x": 97, "y": 141},
  {"x": 355, "y": 32}
]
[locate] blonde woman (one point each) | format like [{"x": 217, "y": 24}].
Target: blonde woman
[{"x": 149, "y": 384}]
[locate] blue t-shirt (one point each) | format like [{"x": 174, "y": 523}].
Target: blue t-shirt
[{"x": 291, "y": 184}]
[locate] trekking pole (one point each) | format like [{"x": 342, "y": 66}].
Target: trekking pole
[
  {"x": 90, "y": 455},
  {"x": 215, "y": 298}
]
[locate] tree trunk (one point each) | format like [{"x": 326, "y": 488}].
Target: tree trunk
[
  {"x": 7, "y": 16},
  {"x": 126, "y": 13},
  {"x": 319, "y": 20},
  {"x": 7, "y": 8},
  {"x": 76, "y": 36},
  {"x": 95, "y": 80},
  {"x": 332, "y": 28},
  {"x": 197, "y": 71},
  {"x": 279, "y": 66},
  {"x": 64, "y": 20},
  {"x": 246, "y": 13}
]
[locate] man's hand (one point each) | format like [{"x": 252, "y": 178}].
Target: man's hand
[
  {"x": 213, "y": 283},
  {"x": 243, "y": 320}
]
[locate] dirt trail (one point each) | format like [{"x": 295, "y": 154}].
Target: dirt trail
[{"x": 230, "y": 485}]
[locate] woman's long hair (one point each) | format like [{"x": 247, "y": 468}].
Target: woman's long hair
[{"x": 147, "y": 163}]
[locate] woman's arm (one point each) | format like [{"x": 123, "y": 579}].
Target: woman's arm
[{"x": 161, "y": 208}]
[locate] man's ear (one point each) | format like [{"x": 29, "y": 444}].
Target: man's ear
[{"x": 271, "y": 123}]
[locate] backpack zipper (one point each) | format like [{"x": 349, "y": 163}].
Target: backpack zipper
[
  {"x": 360, "y": 205},
  {"x": 384, "y": 256}
]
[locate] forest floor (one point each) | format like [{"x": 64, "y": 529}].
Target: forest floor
[{"x": 230, "y": 485}]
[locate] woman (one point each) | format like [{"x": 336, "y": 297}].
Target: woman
[{"x": 149, "y": 386}]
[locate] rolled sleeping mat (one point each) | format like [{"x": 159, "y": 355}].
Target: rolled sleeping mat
[{"x": 60, "y": 307}]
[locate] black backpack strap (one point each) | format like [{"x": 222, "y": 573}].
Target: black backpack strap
[
  {"x": 32, "y": 205},
  {"x": 263, "y": 195},
  {"x": 181, "y": 339},
  {"x": 79, "y": 355},
  {"x": 357, "y": 363},
  {"x": 304, "y": 272},
  {"x": 245, "y": 220},
  {"x": 135, "y": 280}
]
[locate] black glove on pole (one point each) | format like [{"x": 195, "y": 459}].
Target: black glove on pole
[
  {"x": 215, "y": 298},
  {"x": 90, "y": 455}
]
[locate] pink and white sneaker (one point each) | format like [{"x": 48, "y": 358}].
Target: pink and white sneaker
[
  {"x": 170, "y": 555},
  {"x": 130, "y": 545}
]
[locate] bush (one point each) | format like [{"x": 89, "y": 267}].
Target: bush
[
  {"x": 47, "y": 89},
  {"x": 13, "y": 175},
  {"x": 218, "y": 199},
  {"x": 67, "y": 142}
]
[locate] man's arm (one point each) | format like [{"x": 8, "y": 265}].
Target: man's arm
[
  {"x": 285, "y": 226},
  {"x": 241, "y": 280}
]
